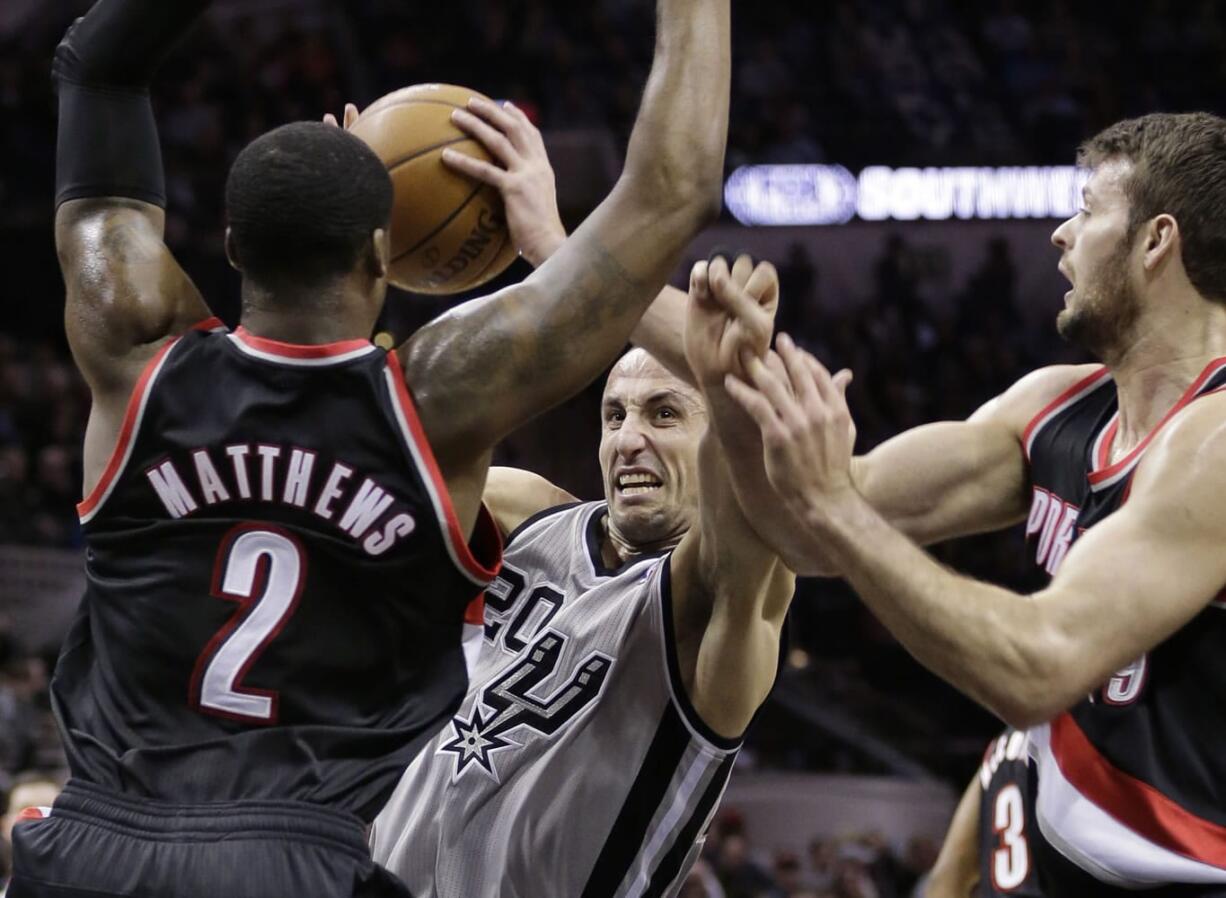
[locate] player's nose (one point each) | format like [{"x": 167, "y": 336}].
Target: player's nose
[
  {"x": 631, "y": 437},
  {"x": 1062, "y": 235}
]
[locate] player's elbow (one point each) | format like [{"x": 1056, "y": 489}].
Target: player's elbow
[
  {"x": 1041, "y": 678},
  {"x": 685, "y": 191}
]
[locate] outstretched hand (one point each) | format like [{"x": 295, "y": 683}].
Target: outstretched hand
[
  {"x": 807, "y": 431},
  {"x": 730, "y": 317},
  {"x": 522, "y": 174}
]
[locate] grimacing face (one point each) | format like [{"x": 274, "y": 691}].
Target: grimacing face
[
  {"x": 651, "y": 425},
  {"x": 1103, "y": 305}
]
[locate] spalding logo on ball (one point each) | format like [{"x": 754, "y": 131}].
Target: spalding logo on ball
[{"x": 448, "y": 232}]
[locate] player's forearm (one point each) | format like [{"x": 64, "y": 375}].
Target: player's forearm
[
  {"x": 986, "y": 641},
  {"x": 661, "y": 331},
  {"x": 741, "y": 442},
  {"x": 748, "y": 592},
  {"x": 675, "y": 158},
  {"x": 488, "y": 367},
  {"x": 956, "y": 871}
]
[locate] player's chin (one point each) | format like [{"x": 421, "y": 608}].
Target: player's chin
[{"x": 634, "y": 514}]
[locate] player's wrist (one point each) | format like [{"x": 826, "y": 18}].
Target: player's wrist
[
  {"x": 541, "y": 246},
  {"x": 827, "y": 511}
]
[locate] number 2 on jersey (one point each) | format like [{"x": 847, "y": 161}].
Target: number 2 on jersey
[
  {"x": 263, "y": 570},
  {"x": 1011, "y": 861}
]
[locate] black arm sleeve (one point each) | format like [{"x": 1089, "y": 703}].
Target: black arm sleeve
[
  {"x": 121, "y": 43},
  {"x": 107, "y": 143}
]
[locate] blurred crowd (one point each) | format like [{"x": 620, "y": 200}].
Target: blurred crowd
[
  {"x": 43, "y": 408},
  {"x": 851, "y": 866},
  {"x": 31, "y": 759}
]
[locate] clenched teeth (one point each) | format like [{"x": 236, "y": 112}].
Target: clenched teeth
[{"x": 632, "y": 484}]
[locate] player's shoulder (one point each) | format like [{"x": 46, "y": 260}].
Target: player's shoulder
[
  {"x": 515, "y": 496},
  {"x": 1029, "y": 396},
  {"x": 1192, "y": 445}
]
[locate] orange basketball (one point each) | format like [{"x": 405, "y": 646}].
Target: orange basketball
[{"x": 448, "y": 232}]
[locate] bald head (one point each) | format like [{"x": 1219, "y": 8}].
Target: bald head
[{"x": 639, "y": 364}]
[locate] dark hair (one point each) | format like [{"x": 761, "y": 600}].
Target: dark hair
[
  {"x": 1179, "y": 168},
  {"x": 302, "y": 202}
]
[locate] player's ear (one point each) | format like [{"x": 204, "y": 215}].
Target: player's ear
[
  {"x": 378, "y": 257},
  {"x": 232, "y": 251},
  {"x": 1161, "y": 235}
]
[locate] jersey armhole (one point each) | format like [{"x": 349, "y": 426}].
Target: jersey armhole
[
  {"x": 134, "y": 413},
  {"x": 672, "y": 668},
  {"x": 477, "y": 559},
  {"x": 1068, "y": 397}
]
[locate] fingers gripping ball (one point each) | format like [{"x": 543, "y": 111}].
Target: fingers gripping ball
[{"x": 448, "y": 232}]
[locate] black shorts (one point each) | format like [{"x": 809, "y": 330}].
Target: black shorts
[{"x": 97, "y": 844}]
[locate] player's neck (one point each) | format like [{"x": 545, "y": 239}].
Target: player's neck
[
  {"x": 615, "y": 550},
  {"x": 1157, "y": 367},
  {"x": 308, "y": 316}
]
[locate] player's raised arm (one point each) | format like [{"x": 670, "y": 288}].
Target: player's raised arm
[
  {"x": 124, "y": 290},
  {"x": 1125, "y": 586},
  {"x": 730, "y": 591},
  {"x": 486, "y": 367},
  {"x": 524, "y": 177}
]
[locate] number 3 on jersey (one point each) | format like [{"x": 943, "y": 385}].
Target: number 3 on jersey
[
  {"x": 1011, "y": 861},
  {"x": 263, "y": 570}
]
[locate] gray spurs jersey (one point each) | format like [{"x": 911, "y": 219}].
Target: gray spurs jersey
[{"x": 576, "y": 767}]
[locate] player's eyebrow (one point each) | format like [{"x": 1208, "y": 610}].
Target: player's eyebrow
[{"x": 670, "y": 395}]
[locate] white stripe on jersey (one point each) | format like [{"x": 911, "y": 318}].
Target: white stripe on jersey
[
  {"x": 1098, "y": 843},
  {"x": 661, "y": 837}
]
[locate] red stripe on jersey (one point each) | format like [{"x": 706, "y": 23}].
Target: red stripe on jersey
[
  {"x": 1055, "y": 404},
  {"x": 299, "y": 350},
  {"x": 208, "y": 324},
  {"x": 1103, "y": 458},
  {"x": 1134, "y": 803},
  {"x": 126, "y": 431},
  {"x": 32, "y": 814},
  {"x": 486, "y": 539},
  {"x": 1099, "y": 475},
  {"x": 475, "y": 612}
]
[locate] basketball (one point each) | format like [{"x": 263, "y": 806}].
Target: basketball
[{"x": 448, "y": 231}]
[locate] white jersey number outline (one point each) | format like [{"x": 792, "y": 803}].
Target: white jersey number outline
[
  {"x": 263, "y": 570},
  {"x": 1011, "y": 861},
  {"x": 1125, "y": 686}
]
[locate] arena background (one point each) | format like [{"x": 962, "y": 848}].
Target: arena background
[{"x": 924, "y": 147}]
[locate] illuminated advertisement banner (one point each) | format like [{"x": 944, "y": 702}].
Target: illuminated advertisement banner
[{"x": 830, "y": 194}]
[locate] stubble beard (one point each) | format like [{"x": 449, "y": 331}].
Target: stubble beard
[{"x": 1103, "y": 314}]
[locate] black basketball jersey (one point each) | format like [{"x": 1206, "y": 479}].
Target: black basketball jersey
[
  {"x": 276, "y": 581},
  {"x": 1132, "y": 780},
  {"x": 1006, "y": 815}
]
